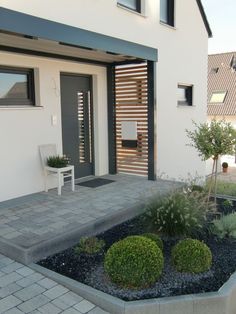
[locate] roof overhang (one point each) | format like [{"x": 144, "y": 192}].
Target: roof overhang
[
  {"x": 92, "y": 45},
  {"x": 204, "y": 17}
]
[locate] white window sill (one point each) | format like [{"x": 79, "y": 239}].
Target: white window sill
[
  {"x": 186, "y": 106},
  {"x": 21, "y": 107},
  {"x": 141, "y": 14},
  {"x": 173, "y": 28}
]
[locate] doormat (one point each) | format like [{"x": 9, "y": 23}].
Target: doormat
[{"x": 95, "y": 183}]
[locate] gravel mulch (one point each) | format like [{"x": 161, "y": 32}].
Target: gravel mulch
[{"x": 89, "y": 269}]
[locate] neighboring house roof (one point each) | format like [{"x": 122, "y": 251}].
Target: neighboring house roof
[
  {"x": 17, "y": 90},
  {"x": 204, "y": 17},
  {"x": 222, "y": 79}
]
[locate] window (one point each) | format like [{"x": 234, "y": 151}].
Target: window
[
  {"x": 218, "y": 97},
  {"x": 134, "y": 5},
  {"x": 16, "y": 87},
  {"x": 185, "y": 95},
  {"x": 167, "y": 12}
]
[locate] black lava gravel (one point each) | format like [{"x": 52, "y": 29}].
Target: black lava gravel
[{"x": 89, "y": 269}]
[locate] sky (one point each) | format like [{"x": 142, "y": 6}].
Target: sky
[{"x": 222, "y": 18}]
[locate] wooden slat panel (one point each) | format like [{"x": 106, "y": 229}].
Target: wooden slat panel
[
  {"x": 127, "y": 68},
  {"x": 131, "y": 105}
]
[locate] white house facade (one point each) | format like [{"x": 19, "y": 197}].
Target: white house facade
[{"x": 114, "y": 84}]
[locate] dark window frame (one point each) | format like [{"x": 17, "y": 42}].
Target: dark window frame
[
  {"x": 188, "y": 94},
  {"x": 137, "y": 8},
  {"x": 30, "y": 100},
  {"x": 170, "y": 13}
]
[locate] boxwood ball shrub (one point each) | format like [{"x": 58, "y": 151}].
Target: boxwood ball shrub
[
  {"x": 154, "y": 237},
  {"x": 134, "y": 262},
  {"x": 191, "y": 256}
]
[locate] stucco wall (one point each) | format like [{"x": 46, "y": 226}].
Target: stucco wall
[
  {"x": 23, "y": 130},
  {"x": 182, "y": 59}
]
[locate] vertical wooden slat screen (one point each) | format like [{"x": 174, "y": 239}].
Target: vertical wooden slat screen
[{"x": 131, "y": 104}]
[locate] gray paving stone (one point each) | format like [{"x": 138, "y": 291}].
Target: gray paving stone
[
  {"x": 29, "y": 292},
  {"x": 67, "y": 300},
  {"x": 11, "y": 267},
  {"x": 49, "y": 308},
  {"x": 33, "y": 303},
  {"x": 6, "y": 230},
  {"x": 71, "y": 311},
  {"x": 84, "y": 306},
  {"x": 47, "y": 283},
  {"x": 97, "y": 310},
  {"x": 8, "y": 303},
  {"x": 8, "y": 290},
  {"x": 12, "y": 235},
  {"x": 25, "y": 271},
  {"x": 29, "y": 280},
  {"x": 55, "y": 292},
  {"x": 5, "y": 261},
  {"x": 14, "y": 311},
  {"x": 9, "y": 278}
]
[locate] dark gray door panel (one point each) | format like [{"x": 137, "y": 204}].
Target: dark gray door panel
[{"x": 77, "y": 122}]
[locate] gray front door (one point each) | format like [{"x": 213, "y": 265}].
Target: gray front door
[{"x": 77, "y": 122}]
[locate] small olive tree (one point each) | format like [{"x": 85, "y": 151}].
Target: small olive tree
[{"x": 211, "y": 141}]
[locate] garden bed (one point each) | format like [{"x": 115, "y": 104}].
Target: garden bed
[{"x": 89, "y": 269}]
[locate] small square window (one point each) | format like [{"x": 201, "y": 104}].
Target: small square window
[
  {"x": 218, "y": 97},
  {"x": 167, "y": 12},
  {"x": 134, "y": 5},
  {"x": 185, "y": 95},
  {"x": 16, "y": 86}
]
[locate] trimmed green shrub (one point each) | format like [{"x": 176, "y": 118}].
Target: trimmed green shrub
[
  {"x": 154, "y": 237},
  {"x": 134, "y": 262},
  {"x": 225, "y": 227},
  {"x": 57, "y": 161},
  {"x": 191, "y": 256},
  {"x": 180, "y": 213},
  {"x": 91, "y": 245}
]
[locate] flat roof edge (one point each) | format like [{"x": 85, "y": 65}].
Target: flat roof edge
[{"x": 25, "y": 24}]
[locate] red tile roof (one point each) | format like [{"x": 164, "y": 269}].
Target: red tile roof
[{"x": 223, "y": 80}]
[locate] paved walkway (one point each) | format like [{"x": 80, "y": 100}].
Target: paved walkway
[
  {"x": 45, "y": 221},
  {"x": 32, "y": 220},
  {"x": 23, "y": 290}
]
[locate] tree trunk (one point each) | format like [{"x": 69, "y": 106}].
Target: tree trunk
[
  {"x": 211, "y": 180},
  {"x": 215, "y": 183}
]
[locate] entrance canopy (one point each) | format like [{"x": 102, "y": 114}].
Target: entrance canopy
[{"x": 25, "y": 33}]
